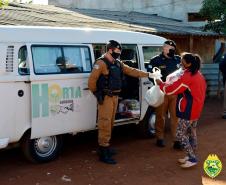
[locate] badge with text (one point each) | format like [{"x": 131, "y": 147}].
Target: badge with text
[{"x": 212, "y": 166}]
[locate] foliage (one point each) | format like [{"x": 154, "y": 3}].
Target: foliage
[
  {"x": 4, "y": 3},
  {"x": 215, "y": 13}
]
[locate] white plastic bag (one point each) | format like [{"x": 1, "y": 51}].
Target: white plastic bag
[
  {"x": 156, "y": 73},
  {"x": 154, "y": 96}
]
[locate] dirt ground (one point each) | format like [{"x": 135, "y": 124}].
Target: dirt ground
[{"x": 140, "y": 162}]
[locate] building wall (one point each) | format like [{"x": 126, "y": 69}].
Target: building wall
[
  {"x": 204, "y": 46},
  {"x": 176, "y": 9}
]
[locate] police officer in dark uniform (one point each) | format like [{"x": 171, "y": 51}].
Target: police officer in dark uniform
[
  {"x": 105, "y": 82},
  {"x": 168, "y": 62},
  {"x": 222, "y": 67}
]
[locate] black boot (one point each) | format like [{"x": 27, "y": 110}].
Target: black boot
[
  {"x": 177, "y": 145},
  {"x": 160, "y": 143},
  {"x": 105, "y": 157},
  {"x": 111, "y": 151}
]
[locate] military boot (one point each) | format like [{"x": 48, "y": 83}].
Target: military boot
[
  {"x": 111, "y": 151},
  {"x": 177, "y": 145},
  {"x": 105, "y": 157},
  {"x": 160, "y": 143}
]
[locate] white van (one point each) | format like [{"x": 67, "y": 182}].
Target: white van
[{"x": 43, "y": 84}]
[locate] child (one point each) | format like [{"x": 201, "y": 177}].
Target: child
[{"x": 190, "y": 86}]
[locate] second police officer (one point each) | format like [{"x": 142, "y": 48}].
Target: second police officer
[
  {"x": 105, "y": 82},
  {"x": 167, "y": 62},
  {"x": 222, "y": 68}
]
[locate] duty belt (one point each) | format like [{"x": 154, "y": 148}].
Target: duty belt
[{"x": 111, "y": 93}]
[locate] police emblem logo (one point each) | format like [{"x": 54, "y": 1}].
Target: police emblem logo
[{"x": 212, "y": 166}]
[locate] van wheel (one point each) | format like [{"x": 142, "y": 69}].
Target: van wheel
[
  {"x": 42, "y": 149},
  {"x": 146, "y": 127}
]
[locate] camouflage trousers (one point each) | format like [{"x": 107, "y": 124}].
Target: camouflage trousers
[{"x": 186, "y": 134}]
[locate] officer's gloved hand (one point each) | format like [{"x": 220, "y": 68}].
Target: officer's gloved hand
[{"x": 155, "y": 75}]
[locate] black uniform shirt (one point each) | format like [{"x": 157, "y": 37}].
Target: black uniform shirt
[
  {"x": 222, "y": 67},
  {"x": 166, "y": 65}
]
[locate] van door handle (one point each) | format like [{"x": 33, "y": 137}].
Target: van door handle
[
  {"x": 86, "y": 88},
  {"x": 20, "y": 93},
  {"x": 147, "y": 82}
]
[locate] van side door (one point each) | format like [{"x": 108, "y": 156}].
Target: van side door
[
  {"x": 146, "y": 52},
  {"x": 60, "y": 99}
]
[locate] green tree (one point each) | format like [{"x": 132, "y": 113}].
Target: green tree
[
  {"x": 3, "y": 3},
  {"x": 215, "y": 12}
]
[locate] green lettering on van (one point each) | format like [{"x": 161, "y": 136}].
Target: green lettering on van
[
  {"x": 71, "y": 92},
  {"x": 77, "y": 93},
  {"x": 66, "y": 93},
  {"x": 40, "y": 101}
]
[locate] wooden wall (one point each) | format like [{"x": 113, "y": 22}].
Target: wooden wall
[{"x": 204, "y": 46}]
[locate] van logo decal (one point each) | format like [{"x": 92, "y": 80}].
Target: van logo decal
[{"x": 53, "y": 99}]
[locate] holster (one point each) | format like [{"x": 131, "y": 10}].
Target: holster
[{"x": 99, "y": 96}]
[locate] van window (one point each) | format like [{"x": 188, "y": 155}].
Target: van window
[
  {"x": 61, "y": 59},
  {"x": 128, "y": 55},
  {"x": 99, "y": 50},
  {"x": 149, "y": 52},
  {"x": 23, "y": 65}
]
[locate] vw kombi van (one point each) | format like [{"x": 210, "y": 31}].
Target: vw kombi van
[{"x": 43, "y": 84}]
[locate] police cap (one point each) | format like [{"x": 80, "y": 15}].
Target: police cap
[
  {"x": 171, "y": 43},
  {"x": 113, "y": 44}
]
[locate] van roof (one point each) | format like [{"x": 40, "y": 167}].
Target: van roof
[{"x": 42, "y": 34}]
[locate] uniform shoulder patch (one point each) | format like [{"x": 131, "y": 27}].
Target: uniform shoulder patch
[
  {"x": 100, "y": 64},
  {"x": 96, "y": 66}
]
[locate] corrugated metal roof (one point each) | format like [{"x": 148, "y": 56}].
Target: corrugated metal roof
[
  {"x": 47, "y": 15},
  {"x": 160, "y": 24}
]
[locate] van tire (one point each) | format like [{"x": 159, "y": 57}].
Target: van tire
[
  {"x": 146, "y": 127},
  {"x": 35, "y": 151}
]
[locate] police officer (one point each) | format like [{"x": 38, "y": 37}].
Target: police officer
[
  {"x": 105, "y": 82},
  {"x": 168, "y": 62},
  {"x": 222, "y": 67}
]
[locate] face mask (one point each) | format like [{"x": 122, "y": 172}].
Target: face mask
[
  {"x": 171, "y": 53},
  {"x": 115, "y": 55}
]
